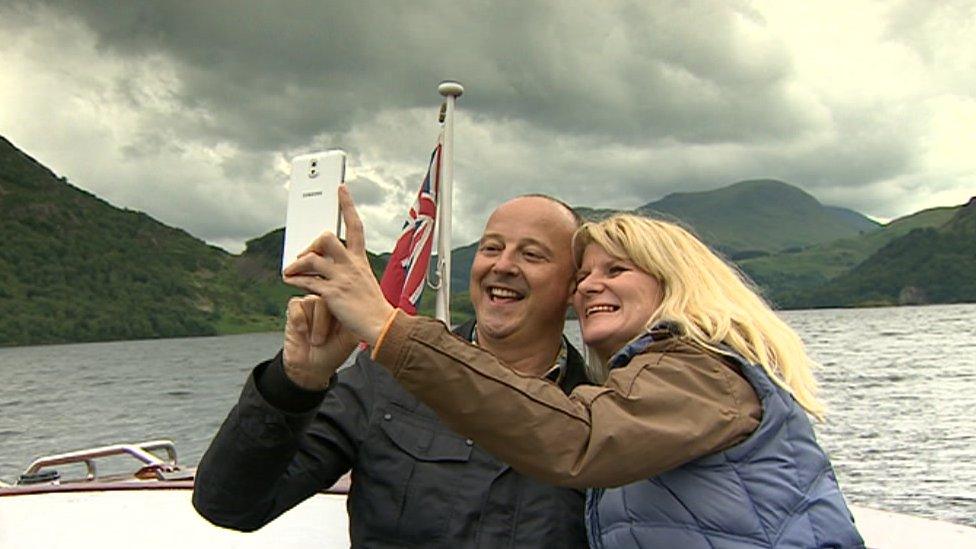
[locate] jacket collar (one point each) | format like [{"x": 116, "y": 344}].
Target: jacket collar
[{"x": 659, "y": 332}]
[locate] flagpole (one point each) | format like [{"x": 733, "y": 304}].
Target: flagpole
[{"x": 451, "y": 91}]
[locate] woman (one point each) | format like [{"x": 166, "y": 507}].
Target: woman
[{"x": 697, "y": 437}]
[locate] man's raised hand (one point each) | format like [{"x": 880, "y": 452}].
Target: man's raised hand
[
  {"x": 342, "y": 276},
  {"x": 315, "y": 343}
]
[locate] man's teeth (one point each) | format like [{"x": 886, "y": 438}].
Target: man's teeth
[
  {"x": 504, "y": 293},
  {"x": 600, "y": 309}
]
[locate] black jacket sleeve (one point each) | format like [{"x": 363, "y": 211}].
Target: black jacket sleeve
[{"x": 280, "y": 445}]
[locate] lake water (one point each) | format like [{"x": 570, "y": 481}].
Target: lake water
[{"x": 900, "y": 384}]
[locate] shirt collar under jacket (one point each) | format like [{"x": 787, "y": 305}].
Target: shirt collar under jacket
[
  {"x": 658, "y": 332},
  {"x": 558, "y": 370}
]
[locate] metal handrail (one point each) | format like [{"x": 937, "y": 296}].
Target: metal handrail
[{"x": 142, "y": 451}]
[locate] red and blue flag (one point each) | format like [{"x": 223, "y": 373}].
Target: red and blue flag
[{"x": 405, "y": 274}]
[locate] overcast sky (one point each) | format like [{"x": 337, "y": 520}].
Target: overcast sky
[{"x": 190, "y": 110}]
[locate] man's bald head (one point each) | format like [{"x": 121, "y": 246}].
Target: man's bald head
[
  {"x": 577, "y": 218},
  {"x": 522, "y": 276}
]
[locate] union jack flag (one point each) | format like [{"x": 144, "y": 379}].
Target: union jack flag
[{"x": 405, "y": 274}]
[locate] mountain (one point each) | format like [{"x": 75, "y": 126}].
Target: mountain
[
  {"x": 963, "y": 224},
  {"x": 856, "y": 220},
  {"x": 759, "y": 216},
  {"x": 597, "y": 214},
  {"x": 926, "y": 265},
  {"x": 75, "y": 268},
  {"x": 780, "y": 274},
  {"x": 783, "y": 274}
]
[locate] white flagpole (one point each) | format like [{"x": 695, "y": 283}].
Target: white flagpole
[{"x": 451, "y": 91}]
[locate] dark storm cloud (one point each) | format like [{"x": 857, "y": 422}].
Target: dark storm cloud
[
  {"x": 278, "y": 73},
  {"x": 604, "y": 104}
]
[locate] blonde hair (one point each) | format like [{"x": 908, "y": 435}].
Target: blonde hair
[{"x": 712, "y": 303}]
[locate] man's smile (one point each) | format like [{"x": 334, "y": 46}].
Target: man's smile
[{"x": 500, "y": 294}]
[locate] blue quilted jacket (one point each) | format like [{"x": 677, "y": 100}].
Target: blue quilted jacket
[{"x": 775, "y": 489}]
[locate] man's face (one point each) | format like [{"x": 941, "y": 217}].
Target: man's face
[{"x": 522, "y": 275}]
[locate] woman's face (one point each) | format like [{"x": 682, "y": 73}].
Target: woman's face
[{"x": 614, "y": 300}]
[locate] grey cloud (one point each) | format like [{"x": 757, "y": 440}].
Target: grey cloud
[
  {"x": 273, "y": 74},
  {"x": 366, "y": 192},
  {"x": 251, "y": 167},
  {"x": 613, "y": 104},
  {"x": 148, "y": 143}
]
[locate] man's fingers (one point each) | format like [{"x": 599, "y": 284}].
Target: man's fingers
[
  {"x": 310, "y": 264},
  {"x": 328, "y": 246},
  {"x": 320, "y": 245},
  {"x": 295, "y": 315},
  {"x": 311, "y": 284},
  {"x": 321, "y": 321},
  {"x": 308, "y": 306},
  {"x": 355, "y": 239}
]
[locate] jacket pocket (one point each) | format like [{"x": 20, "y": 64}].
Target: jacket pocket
[
  {"x": 435, "y": 461},
  {"x": 423, "y": 439}
]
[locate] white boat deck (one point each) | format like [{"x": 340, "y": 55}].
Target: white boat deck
[
  {"x": 152, "y": 509},
  {"x": 157, "y": 519},
  {"x": 164, "y": 519}
]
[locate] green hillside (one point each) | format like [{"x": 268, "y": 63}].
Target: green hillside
[
  {"x": 926, "y": 265},
  {"x": 783, "y": 274},
  {"x": 75, "y": 268}
]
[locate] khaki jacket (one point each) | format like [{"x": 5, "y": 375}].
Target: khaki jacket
[{"x": 670, "y": 405}]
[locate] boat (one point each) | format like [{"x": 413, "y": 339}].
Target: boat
[{"x": 149, "y": 507}]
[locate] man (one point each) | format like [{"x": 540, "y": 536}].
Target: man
[{"x": 299, "y": 425}]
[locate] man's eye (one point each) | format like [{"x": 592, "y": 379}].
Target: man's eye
[{"x": 534, "y": 256}]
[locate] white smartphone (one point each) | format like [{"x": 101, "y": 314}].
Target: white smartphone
[{"x": 313, "y": 204}]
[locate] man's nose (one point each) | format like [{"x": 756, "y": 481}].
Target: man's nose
[{"x": 506, "y": 263}]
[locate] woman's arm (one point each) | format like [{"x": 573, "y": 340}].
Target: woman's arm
[{"x": 669, "y": 406}]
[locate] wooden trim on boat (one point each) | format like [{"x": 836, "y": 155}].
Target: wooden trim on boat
[{"x": 340, "y": 487}]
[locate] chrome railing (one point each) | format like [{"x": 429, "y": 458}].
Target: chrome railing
[{"x": 145, "y": 452}]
